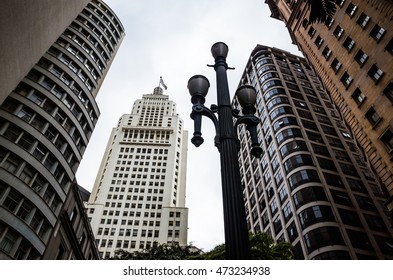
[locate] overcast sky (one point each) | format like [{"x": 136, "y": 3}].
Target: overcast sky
[{"x": 172, "y": 39}]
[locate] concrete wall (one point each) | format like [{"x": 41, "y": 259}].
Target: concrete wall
[{"x": 27, "y": 29}]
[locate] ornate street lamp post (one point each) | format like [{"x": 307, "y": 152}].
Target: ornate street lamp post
[{"x": 226, "y": 140}]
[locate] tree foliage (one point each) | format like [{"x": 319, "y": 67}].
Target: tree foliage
[
  {"x": 158, "y": 252},
  {"x": 217, "y": 253},
  {"x": 320, "y": 10},
  {"x": 262, "y": 247}
]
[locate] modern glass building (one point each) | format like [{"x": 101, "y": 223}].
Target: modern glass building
[
  {"x": 45, "y": 125},
  {"x": 312, "y": 186},
  {"x": 139, "y": 194},
  {"x": 352, "y": 53}
]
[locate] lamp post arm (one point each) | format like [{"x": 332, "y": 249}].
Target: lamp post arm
[
  {"x": 251, "y": 123},
  {"x": 198, "y": 111}
]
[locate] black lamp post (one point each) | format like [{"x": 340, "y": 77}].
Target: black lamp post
[{"x": 226, "y": 140}]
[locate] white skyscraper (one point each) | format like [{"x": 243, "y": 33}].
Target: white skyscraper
[{"x": 139, "y": 193}]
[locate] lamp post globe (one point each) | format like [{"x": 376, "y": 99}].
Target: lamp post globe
[
  {"x": 247, "y": 97},
  {"x": 219, "y": 49},
  {"x": 198, "y": 86}
]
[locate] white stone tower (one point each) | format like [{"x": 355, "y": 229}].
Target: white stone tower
[{"x": 139, "y": 193}]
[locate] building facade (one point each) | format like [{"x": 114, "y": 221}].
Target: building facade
[
  {"x": 312, "y": 186},
  {"x": 25, "y": 23},
  {"x": 352, "y": 53},
  {"x": 45, "y": 125},
  {"x": 139, "y": 194}
]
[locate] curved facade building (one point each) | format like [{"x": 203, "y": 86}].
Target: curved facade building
[
  {"x": 312, "y": 186},
  {"x": 45, "y": 126}
]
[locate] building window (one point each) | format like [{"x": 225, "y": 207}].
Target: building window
[
  {"x": 303, "y": 177},
  {"x": 377, "y": 32},
  {"x": 276, "y": 101},
  {"x": 338, "y": 32},
  {"x": 351, "y": 9},
  {"x": 287, "y": 211},
  {"x": 341, "y": 198},
  {"x": 320, "y": 150},
  {"x": 270, "y": 84},
  {"x": 363, "y": 20},
  {"x": 349, "y": 44},
  {"x": 326, "y": 52},
  {"x": 361, "y": 57},
  {"x": 321, "y": 237},
  {"x": 326, "y": 164},
  {"x": 388, "y": 91},
  {"x": 296, "y": 161},
  {"x": 318, "y": 41},
  {"x": 12, "y": 133},
  {"x": 283, "y": 193},
  {"x": 329, "y": 22},
  {"x": 340, "y": 3},
  {"x": 376, "y": 223},
  {"x": 12, "y": 201},
  {"x": 273, "y": 207},
  {"x": 346, "y": 79},
  {"x": 375, "y": 73},
  {"x": 292, "y": 232},
  {"x": 288, "y": 134},
  {"x": 336, "y": 65},
  {"x": 315, "y": 214},
  {"x": 385, "y": 244},
  {"x": 311, "y": 31},
  {"x": 284, "y": 110},
  {"x": 358, "y": 96},
  {"x": 389, "y": 46},
  {"x": 373, "y": 117},
  {"x": 25, "y": 114},
  {"x": 387, "y": 139},
  {"x": 277, "y": 225},
  {"x": 286, "y": 121},
  {"x": 350, "y": 217},
  {"x": 359, "y": 240},
  {"x": 305, "y": 23},
  {"x": 365, "y": 203},
  {"x": 309, "y": 194},
  {"x": 292, "y": 147},
  {"x": 309, "y": 125}
]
